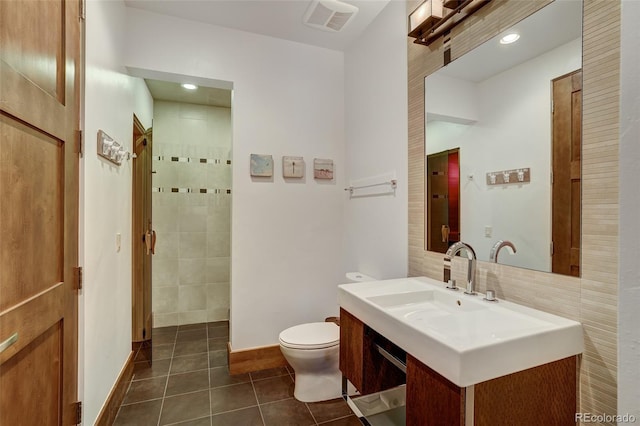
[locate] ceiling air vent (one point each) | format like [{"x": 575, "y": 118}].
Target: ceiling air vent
[{"x": 329, "y": 15}]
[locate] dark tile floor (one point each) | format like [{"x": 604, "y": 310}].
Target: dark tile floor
[{"x": 189, "y": 384}]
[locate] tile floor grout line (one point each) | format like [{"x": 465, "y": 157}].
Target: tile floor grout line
[
  {"x": 125, "y": 395},
  {"x": 188, "y": 372},
  {"x": 310, "y": 412},
  {"x": 333, "y": 420},
  {"x": 209, "y": 376},
  {"x": 278, "y": 400},
  {"x": 272, "y": 377},
  {"x": 235, "y": 409},
  {"x": 230, "y": 384},
  {"x": 166, "y": 385},
  {"x": 182, "y": 421},
  {"x": 141, "y": 401},
  {"x": 257, "y": 401}
]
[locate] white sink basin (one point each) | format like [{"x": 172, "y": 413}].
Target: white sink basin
[{"x": 464, "y": 338}]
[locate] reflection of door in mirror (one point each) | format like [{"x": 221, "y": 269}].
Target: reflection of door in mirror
[
  {"x": 567, "y": 140},
  {"x": 443, "y": 200}
]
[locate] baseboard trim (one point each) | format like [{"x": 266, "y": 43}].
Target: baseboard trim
[
  {"x": 110, "y": 408},
  {"x": 254, "y": 359}
]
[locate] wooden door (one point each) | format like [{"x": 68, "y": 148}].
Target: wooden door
[
  {"x": 143, "y": 235},
  {"x": 443, "y": 195},
  {"x": 40, "y": 71},
  {"x": 566, "y": 192}
]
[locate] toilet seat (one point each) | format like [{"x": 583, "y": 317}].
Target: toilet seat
[{"x": 315, "y": 335}]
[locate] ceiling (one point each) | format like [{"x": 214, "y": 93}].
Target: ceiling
[
  {"x": 275, "y": 18},
  {"x": 169, "y": 91},
  {"x": 283, "y": 19}
]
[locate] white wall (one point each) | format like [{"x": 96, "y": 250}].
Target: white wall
[
  {"x": 629, "y": 291},
  {"x": 451, "y": 99},
  {"x": 105, "y": 304},
  {"x": 287, "y": 100},
  {"x": 375, "y": 232},
  {"x": 513, "y": 131}
]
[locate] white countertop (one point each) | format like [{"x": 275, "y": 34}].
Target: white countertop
[{"x": 464, "y": 338}]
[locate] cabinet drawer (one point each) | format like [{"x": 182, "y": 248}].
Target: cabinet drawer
[{"x": 385, "y": 408}]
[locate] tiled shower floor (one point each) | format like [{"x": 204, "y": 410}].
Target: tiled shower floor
[{"x": 189, "y": 384}]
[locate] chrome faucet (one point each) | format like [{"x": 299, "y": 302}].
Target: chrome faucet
[
  {"x": 471, "y": 270},
  {"x": 495, "y": 250}
]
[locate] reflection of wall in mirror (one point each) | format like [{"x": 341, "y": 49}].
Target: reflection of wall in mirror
[{"x": 513, "y": 130}]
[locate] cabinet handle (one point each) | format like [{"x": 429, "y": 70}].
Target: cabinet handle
[
  {"x": 392, "y": 359},
  {"x": 7, "y": 343}
]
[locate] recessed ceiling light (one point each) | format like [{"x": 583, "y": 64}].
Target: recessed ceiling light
[
  {"x": 509, "y": 38},
  {"x": 189, "y": 86}
]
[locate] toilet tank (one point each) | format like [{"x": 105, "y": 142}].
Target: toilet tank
[{"x": 356, "y": 277}]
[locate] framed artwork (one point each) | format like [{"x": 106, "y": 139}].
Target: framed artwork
[
  {"x": 261, "y": 165},
  {"x": 322, "y": 168},
  {"x": 292, "y": 167}
]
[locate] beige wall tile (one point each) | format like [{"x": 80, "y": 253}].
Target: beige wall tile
[
  {"x": 192, "y": 271},
  {"x": 193, "y": 245},
  {"x": 218, "y": 269},
  {"x": 165, "y": 300},
  {"x": 192, "y": 298}
]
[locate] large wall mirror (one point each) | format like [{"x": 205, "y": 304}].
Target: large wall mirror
[{"x": 502, "y": 143}]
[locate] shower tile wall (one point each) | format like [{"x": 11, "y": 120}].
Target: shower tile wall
[{"x": 191, "y": 266}]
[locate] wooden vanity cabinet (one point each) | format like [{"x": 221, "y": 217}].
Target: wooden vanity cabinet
[
  {"x": 351, "y": 348},
  {"x": 543, "y": 395},
  {"x": 433, "y": 399},
  {"x": 360, "y": 361}
]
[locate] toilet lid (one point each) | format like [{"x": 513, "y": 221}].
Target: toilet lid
[{"x": 313, "y": 335}]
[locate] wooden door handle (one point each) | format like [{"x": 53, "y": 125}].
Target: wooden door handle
[
  {"x": 146, "y": 237},
  {"x": 153, "y": 242},
  {"x": 445, "y": 233}
]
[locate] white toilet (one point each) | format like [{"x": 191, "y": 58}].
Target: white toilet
[{"x": 313, "y": 351}]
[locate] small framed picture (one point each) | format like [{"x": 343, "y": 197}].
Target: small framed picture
[
  {"x": 261, "y": 165},
  {"x": 322, "y": 168},
  {"x": 292, "y": 167}
]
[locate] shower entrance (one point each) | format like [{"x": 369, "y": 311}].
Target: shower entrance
[{"x": 191, "y": 199}]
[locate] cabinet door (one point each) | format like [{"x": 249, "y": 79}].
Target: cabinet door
[
  {"x": 360, "y": 361},
  {"x": 351, "y": 344},
  {"x": 432, "y": 399},
  {"x": 380, "y": 374}
]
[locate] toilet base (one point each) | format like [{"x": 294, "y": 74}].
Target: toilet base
[{"x": 318, "y": 387}]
